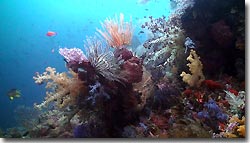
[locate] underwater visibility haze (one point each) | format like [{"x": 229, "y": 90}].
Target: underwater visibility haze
[{"x": 123, "y": 69}]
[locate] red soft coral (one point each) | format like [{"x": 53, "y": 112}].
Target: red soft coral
[
  {"x": 212, "y": 84},
  {"x": 132, "y": 70}
]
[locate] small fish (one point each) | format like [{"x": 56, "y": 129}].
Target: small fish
[
  {"x": 51, "y": 33},
  {"x": 14, "y": 93},
  {"x": 141, "y": 32},
  {"x": 53, "y": 50}
]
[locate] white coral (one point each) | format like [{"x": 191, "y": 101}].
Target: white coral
[{"x": 236, "y": 102}]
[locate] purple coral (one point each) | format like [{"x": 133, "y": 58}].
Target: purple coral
[
  {"x": 213, "y": 111},
  {"x": 212, "y": 115},
  {"x": 74, "y": 55},
  {"x": 189, "y": 44}
]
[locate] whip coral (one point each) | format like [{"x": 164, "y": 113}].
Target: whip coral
[
  {"x": 117, "y": 33},
  {"x": 60, "y": 87}
]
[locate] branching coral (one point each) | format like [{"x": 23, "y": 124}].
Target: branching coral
[
  {"x": 195, "y": 67},
  {"x": 117, "y": 33},
  {"x": 61, "y": 88}
]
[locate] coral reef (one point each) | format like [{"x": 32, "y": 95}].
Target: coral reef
[
  {"x": 219, "y": 30},
  {"x": 113, "y": 92}
]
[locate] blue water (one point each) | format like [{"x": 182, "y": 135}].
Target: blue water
[{"x": 25, "y": 49}]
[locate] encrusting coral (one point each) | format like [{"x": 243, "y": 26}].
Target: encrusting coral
[
  {"x": 195, "y": 67},
  {"x": 61, "y": 88}
]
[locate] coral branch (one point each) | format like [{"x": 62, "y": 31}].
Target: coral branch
[
  {"x": 195, "y": 67},
  {"x": 62, "y": 88}
]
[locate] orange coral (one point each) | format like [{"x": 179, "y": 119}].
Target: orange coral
[
  {"x": 236, "y": 127},
  {"x": 117, "y": 33},
  {"x": 63, "y": 88},
  {"x": 241, "y": 130}
]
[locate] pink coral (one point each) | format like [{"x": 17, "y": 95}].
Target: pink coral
[{"x": 73, "y": 55}]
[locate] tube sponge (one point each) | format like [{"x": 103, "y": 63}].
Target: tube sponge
[{"x": 195, "y": 67}]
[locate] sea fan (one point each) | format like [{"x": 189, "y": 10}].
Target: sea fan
[{"x": 103, "y": 60}]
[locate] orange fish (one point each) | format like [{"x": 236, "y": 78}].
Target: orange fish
[{"x": 51, "y": 33}]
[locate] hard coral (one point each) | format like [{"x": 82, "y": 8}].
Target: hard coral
[
  {"x": 195, "y": 67},
  {"x": 63, "y": 88}
]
